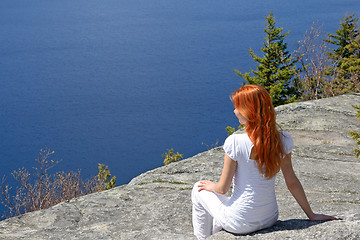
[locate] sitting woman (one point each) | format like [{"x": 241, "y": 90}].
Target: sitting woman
[{"x": 251, "y": 162}]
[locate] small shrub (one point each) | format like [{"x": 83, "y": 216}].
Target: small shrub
[
  {"x": 231, "y": 130},
  {"x": 41, "y": 190},
  {"x": 313, "y": 59},
  {"x": 104, "y": 177},
  {"x": 170, "y": 156},
  {"x": 356, "y": 136},
  {"x": 211, "y": 146}
]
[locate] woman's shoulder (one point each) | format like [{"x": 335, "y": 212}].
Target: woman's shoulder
[
  {"x": 237, "y": 140},
  {"x": 287, "y": 141},
  {"x": 236, "y": 145},
  {"x": 237, "y": 137},
  {"x": 284, "y": 134}
]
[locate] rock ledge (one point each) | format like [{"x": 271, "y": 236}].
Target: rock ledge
[{"x": 156, "y": 204}]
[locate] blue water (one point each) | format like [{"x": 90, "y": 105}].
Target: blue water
[{"x": 120, "y": 81}]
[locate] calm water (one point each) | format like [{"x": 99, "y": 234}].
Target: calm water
[{"x": 120, "y": 81}]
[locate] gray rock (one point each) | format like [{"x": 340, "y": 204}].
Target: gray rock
[{"x": 156, "y": 204}]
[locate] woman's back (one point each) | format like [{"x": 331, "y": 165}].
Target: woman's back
[{"x": 253, "y": 199}]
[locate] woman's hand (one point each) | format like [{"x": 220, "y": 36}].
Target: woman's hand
[
  {"x": 207, "y": 185},
  {"x": 322, "y": 217},
  {"x": 224, "y": 183}
]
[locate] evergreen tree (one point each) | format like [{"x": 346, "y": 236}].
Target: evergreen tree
[
  {"x": 345, "y": 58},
  {"x": 276, "y": 70},
  {"x": 347, "y": 32}
]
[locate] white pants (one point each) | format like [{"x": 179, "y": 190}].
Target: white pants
[
  {"x": 208, "y": 215},
  {"x": 206, "y": 212}
]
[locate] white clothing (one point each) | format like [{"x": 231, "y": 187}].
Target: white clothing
[{"x": 252, "y": 205}]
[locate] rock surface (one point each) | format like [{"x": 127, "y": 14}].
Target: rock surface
[{"x": 156, "y": 204}]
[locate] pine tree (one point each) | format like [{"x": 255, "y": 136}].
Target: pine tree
[
  {"x": 345, "y": 58},
  {"x": 276, "y": 70},
  {"x": 347, "y": 32}
]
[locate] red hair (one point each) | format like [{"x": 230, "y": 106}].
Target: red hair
[{"x": 254, "y": 103}]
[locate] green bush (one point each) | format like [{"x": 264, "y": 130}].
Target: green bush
[
  {"x": 104, "y": 177},
  {"x": 231, "y": 130},
  {"x": 170, "y": 156},
  {"x": 356, "y": 136}
]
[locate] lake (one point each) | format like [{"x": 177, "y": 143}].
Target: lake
[{"x": 119, "y": 82}]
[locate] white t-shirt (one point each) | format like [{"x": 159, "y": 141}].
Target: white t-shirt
[{"x": 253, "y": 201}]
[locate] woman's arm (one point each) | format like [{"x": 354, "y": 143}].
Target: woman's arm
[
  {"x": 222, "y": 187},
  {"x": 296, "y": 189}
]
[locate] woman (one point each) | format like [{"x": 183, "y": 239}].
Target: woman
[{"x": 251, "y": 162}]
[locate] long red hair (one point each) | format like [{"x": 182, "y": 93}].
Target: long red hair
[{"x": 254, "y": 103}]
